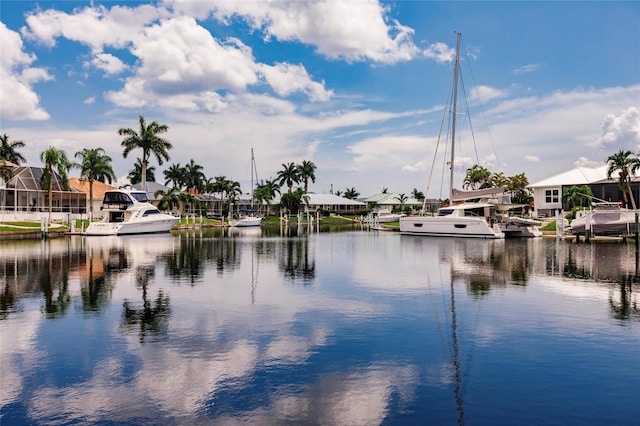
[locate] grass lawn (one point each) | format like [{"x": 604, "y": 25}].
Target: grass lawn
[
  {"x": 28, "y": 226},
  {"x": 205, "y": 222}
]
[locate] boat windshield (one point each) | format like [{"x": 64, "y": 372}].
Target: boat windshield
[
  {"x": 445, "y": 212},
  {"x": 150, "y": 212},
  {"x": 116, "y": 200},
  {"x": 140, "y": 196}
]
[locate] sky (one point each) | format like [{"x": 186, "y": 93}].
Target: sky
[{"x": 357, "y": 87}]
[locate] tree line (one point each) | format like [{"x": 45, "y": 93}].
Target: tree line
[
  {"x": 185, "y": 181},
  {"x": 188, "y": 180}
]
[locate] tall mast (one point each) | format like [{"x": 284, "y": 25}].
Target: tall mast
[
  {"x": 253, "y": 165},
  {"x": 453, "y": 123}
]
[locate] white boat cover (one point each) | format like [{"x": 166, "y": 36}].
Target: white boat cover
[{"x": 459, "y": 195}]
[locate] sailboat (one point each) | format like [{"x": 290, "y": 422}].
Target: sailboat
[
  {"x": 250, "y": 219},
  {"x": 479, "y": 219}
]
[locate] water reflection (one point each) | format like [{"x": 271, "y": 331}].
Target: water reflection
[{"x": 264, "y": 326}]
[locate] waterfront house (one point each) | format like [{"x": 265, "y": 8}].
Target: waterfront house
[
  {"x": 331, "y": 203},
  {"x": 391, "y": 201},
  {"x": 99, "y": 188},
  {"x": 547, "y": 193},
  {"x": 22, "y": 198}
]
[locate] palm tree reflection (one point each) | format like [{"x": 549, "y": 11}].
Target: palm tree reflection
[
  {"x": 55, "y": 305},
  {"x": 153, "y": 317},
  {"x": 627, "y": 307},
  {"x": 295, "y": 261}
]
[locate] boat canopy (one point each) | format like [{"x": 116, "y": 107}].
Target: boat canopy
[{"x": 459, "y": 195}]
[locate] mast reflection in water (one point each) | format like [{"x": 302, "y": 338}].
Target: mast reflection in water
[{"x": 272, "y": 326}]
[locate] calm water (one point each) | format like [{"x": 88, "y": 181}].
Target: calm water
[{"x": 334, "y": 328}]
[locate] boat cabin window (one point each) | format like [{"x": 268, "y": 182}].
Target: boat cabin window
[
  {"x": 140, "y": 196},
  {"x": 445, "y": 212},
  {"x": 150, "y": 212},
  {"x": 116, "y": 200},
  {"x": 474, "y": 212}
]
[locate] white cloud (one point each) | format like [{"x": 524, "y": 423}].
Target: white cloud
[
  {"x": 585, "y": 162},
  {"x": 286, "y": 79},
  {"x": 108, "y": 63},
  {"x": 622, "y": 131},
  {"x": 440, "y": 52},
  {"x": 179, "y": 62},
  {"x": 18, "y": 99},
  {"x": 390, "y": 152},
  {"x": 526, "y": 69},
  {"x": 94, "y": 26},
  {"x": 90, "y": 100},
  {"x": 485, "y": 93},
  {"x": 354, "y": 31},
  {"x": 532, "y": 158}
]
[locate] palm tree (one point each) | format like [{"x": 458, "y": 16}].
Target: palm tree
[
  {"x": 169, "y": 199},
  {"x": 306, "y": 170},
  {"x": 499, "y": 180},
  {"x": 477, "y": 177},
  {"x": 625, "y": 163},
  {"x": 403, "y": 199},
  {"x": 289, "y": 174},
  {"x": 517, "y": 186},
  {"x": 8, "y": 150},
  {"x": 95, "y": 165},
  {"x": 135, "y": 175},
  {"x": 55, "y": 160},
  {"x": 149, "y": 142},
  {"x": 385, "y": 190},
  {"x": 6, "y": 172},
  {"x": 266, "y": 191},
  {"x": 418, "y": 195},
  {"x": 577, "y": 194},
  {"x": 233, "y": 191},
  {"x": 261, "y": 195},
  {"x": 219, "y": 186},
  {"x": 351, "y": 193},
  {"x": 193, "y": 176},
  {"x": 293, "y": 200},
  {"x": 273, "y": 187},
  {"x": 174, "y": 174}
]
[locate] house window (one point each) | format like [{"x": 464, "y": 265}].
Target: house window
[{"x": 551, "y": 195}]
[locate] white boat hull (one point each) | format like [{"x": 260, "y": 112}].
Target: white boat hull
[
  {"x": 154, "y": 226},
  {"x": 443, "y": 226},
  {"x": 129, "y": 212},
  {"x": 245, "y": 222}
]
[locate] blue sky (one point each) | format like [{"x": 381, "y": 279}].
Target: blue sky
[{"x": 357, "y": 87}]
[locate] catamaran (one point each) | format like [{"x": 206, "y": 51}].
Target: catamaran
[{"x": 486, "y": 218}]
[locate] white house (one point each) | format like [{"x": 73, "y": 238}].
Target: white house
[
  {"x": 547, "y": 193},
  {"x": 334, "y": 203},
  {"x": 392, "y": 202}
]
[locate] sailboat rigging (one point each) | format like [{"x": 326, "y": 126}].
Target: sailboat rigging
[{"x": 250, "y": 219}]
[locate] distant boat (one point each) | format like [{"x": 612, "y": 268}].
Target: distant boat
[
  {"x": 457, "y": 220},
  {"x": 605, "y": 219},
  {"x": 130, "y": 212},
  {"x": 245, "y": 221},
  {"x": 250, "y": 219},
  {"x": 386, "y": 216}
]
